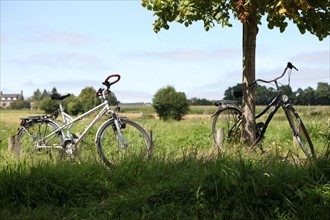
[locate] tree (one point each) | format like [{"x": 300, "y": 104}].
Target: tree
[
  {"x": 170, "y": 104},
  {"x": 36, "y": 95},
  {"x": 20, "y": 104},
  {"x": 306, "y": 96},
  {"x": 287, "y": 90},
  {"x": 322, "y": 94},
  {"x": 200, "y": 101},
  {"x": 113, "y": 99},
  {"x": 45, "y": 94},
  {"x": 229, "y": 93},
  {"x": 308, "y": 15},
  {"x": 48, "y": 105},
  {"x": 264, "y": 95},
  {"x": 88, "y": 98},
  {"x": 74, "y": 106}
]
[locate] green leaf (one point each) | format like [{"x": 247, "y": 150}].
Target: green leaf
[
  {"x": 270, "y": 25},
  {"x": 218, "y": 16}
]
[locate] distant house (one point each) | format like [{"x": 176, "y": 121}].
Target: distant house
[{"x": 6, "y": 99}]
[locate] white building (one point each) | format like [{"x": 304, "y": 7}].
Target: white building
[{"x": 6, "y": 99}]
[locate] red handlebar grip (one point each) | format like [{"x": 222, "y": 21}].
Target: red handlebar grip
[{"x": 110, "y": 76}]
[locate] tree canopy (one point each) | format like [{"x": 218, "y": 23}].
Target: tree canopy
[{"x": 308, "y": 15}]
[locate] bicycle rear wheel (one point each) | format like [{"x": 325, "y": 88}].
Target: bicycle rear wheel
[
  {"x": 31, "y": 142},
  {"x": 226, "y": 127},
  {"x": 131, "y": 141},
  {"x": 301, "y": 135}
]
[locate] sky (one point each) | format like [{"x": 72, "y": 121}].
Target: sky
[{"x": 71, "y": 45}]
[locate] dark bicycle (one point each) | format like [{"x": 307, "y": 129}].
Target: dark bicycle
[{"x": 227, "y": 122}]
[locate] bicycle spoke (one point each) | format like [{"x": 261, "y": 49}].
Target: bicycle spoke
[
  {"x": 131, "y": 141},
  {"x": 31, "y": 142}
]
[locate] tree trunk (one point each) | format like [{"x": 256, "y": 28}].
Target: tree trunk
[{"x": 249, "y": 51}]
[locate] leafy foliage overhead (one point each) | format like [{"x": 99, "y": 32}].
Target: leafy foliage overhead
[{"x": 309, "y": 15}]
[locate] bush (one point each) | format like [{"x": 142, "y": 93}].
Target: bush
[
  {"x": 49, "y": 105},
  {"x": 74, "y": 107},
  {"x": 170, "y": 104}
]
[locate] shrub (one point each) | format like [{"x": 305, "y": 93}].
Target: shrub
[
  {"x": 170, "y": 104},
  {"x": 48, "y": 105},
  {"x": 74, "y": 107}
]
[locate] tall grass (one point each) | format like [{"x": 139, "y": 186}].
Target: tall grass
[{"x": 186, "y": 188}]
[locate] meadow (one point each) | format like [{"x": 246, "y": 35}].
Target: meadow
[{"x": 186, "y": 177}]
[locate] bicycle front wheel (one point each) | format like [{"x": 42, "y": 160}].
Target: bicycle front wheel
[
  {"x": 36, "y": 140},
  {"x": 226, "y": 127},
  {"x": 300, "y": 134},
  {"x": 131, "y": 140}
]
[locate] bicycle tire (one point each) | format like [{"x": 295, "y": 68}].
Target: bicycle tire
[
  {"x": 226, "y": 127},
  {"x": 300, "y": 133},
  {"x": 108, "y": 146},
  {"x": 33, "y": 132}
]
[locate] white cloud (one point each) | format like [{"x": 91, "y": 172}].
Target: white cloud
[
  {"x": 186, "y": 54},
  {"x": 62, "y": 60},
  {"x": 313, "y": 58},
  {"x": 68, "y": 38}
]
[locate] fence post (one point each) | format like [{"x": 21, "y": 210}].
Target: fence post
[
  {"x": 219, "y": 138},
  {"x": 151, "y": 141}
]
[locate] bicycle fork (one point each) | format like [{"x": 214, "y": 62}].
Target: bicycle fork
[{"x": 119, "y": 135}]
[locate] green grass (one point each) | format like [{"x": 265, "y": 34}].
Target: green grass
[
  {"x": 184, "y": 179},
  {"x": 188, "y": 188}
]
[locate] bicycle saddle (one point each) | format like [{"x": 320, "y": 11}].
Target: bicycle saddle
[{"x": 58, "y": 96}]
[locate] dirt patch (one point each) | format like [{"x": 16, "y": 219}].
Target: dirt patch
[
  {"x": 196, "y": 116},
  {"x": 140, "y": 115}
]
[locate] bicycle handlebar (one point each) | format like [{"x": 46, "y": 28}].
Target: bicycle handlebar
[
  {"x": 289, "y": 66},
  {"x": 107, "y": 83}
]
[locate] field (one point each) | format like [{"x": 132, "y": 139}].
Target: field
[{"x": 185, "y": 179}]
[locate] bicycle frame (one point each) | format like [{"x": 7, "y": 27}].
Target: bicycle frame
[
  {"x": 69, "y": 123},
  {"x": 230, "y": 119},
  {"x": 277, "y": 102}
]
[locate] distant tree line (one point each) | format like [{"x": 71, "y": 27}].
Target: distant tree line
[
  {"x": 74, "y": 105},
  {"x": 308, "y": 96},
  {"x": 87, "y": 99}
]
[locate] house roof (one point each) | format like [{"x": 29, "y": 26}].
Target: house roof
[{"x": 11, "y": 95}]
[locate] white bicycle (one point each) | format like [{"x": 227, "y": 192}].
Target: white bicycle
[{"x": 43, "y": 136}]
